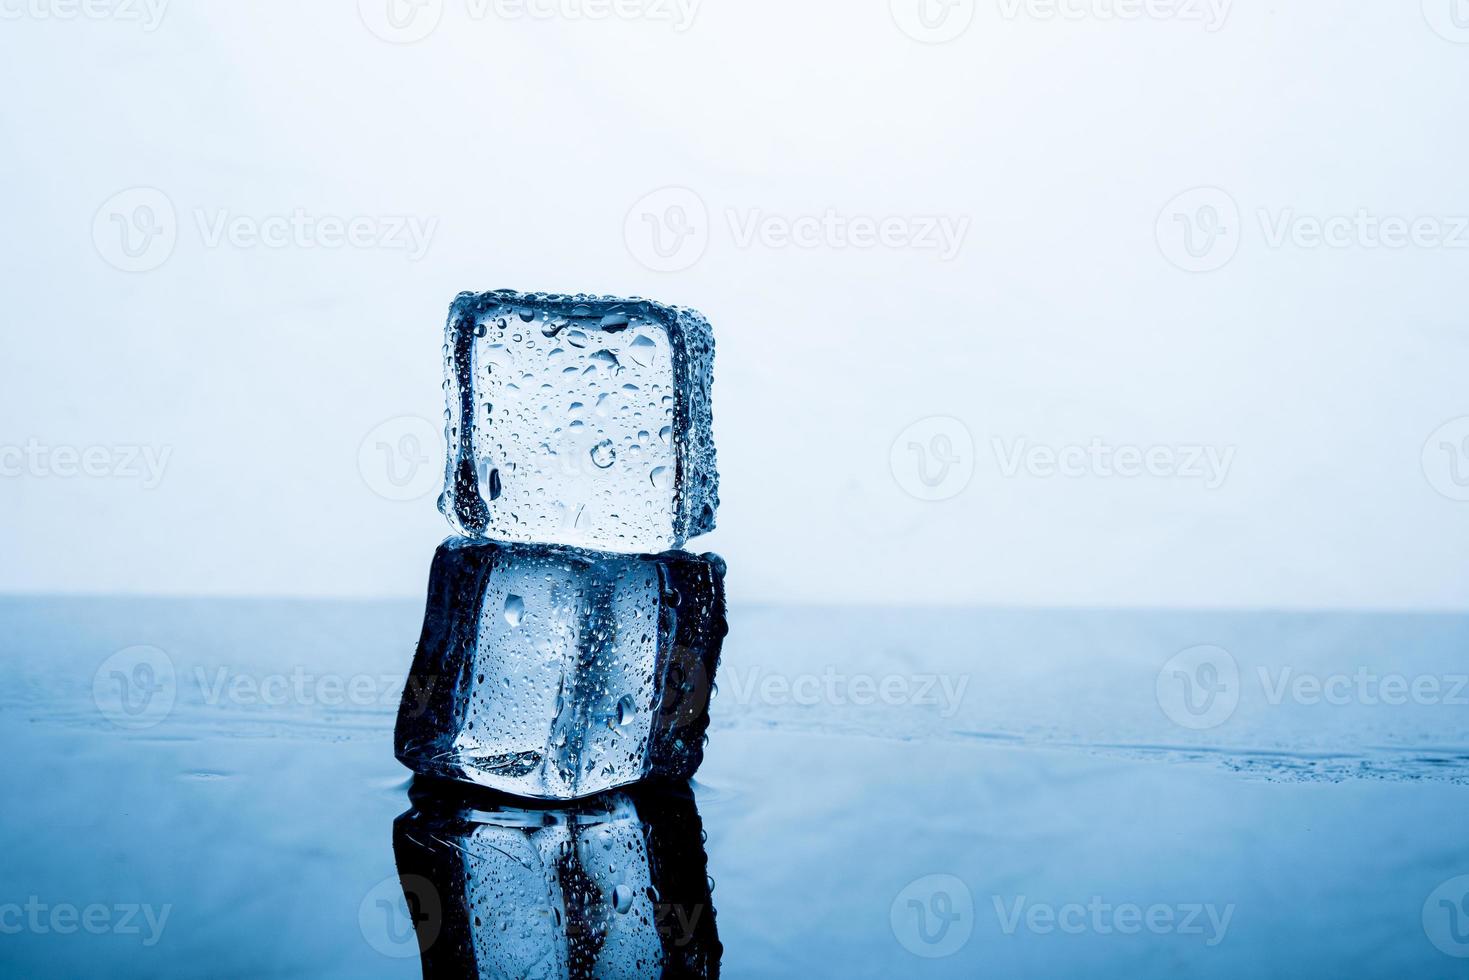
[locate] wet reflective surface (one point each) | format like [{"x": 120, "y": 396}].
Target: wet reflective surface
[
  {"x": 616, "y": 885},
  {"x": 207, "y": 788}
]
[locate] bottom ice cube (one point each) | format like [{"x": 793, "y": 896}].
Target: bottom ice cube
[
  {"x": 612, "y": 887},
  {"x": 557, "y": 673}
]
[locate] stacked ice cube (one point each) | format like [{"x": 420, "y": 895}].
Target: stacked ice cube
[
  {"x": 579, "y": 421},
  {"x": 547, "y": 669}
]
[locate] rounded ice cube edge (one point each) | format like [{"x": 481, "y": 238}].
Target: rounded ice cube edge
[{"x": 579, "y": 420}]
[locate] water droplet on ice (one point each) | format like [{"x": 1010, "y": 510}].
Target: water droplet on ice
[
  {"x": 514, "y": 609},
  {"x": 662, "y": 477},
  {"x": 622, "y": 899},
  {"x": 490, "y": 484},
  {"x": 643, "y": 350},
  {"x": 603, "y": 454},
  {"x": 625, "y": 710}
]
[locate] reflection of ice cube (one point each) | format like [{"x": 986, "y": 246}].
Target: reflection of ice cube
[
  {"x": 616, "y": 886},
  {"x": 557, "y": 673},
  {"x": 579, "y": 420}
]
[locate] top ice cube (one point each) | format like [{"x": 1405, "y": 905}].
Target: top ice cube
[{"x": 579, "y": 420}]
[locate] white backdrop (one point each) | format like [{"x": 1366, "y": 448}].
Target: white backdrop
[{"x": 1158, "y": 303}]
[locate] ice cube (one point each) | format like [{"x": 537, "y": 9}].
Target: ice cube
[
  {"x": 614, "y": 887},
  {"x": 556, "y": 673},
  {"x": 579, "y": 420}
]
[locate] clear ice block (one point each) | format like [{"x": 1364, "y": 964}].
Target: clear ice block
[
  {"x": 614, "y": 887},
  {"x": 555, "y": 673},
  {"x": 579, "y": 420}
]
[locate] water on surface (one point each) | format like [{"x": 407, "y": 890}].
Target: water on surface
[{"x": 1021, "y": 800}]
